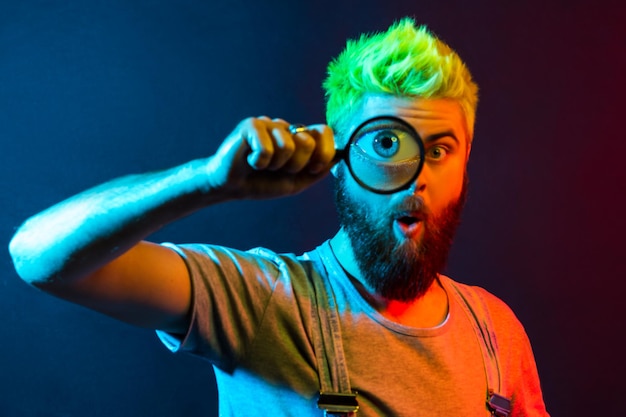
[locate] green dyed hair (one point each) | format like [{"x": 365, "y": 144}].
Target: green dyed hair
[{"x": 407, "y": 61}]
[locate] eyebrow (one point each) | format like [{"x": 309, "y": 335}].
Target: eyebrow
[{"x": 445, "y": 134}]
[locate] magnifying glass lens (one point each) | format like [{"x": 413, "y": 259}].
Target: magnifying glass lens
[{"x": 385, "y": 154}]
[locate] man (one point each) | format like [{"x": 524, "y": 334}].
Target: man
[{"x": 366, "y": 318}]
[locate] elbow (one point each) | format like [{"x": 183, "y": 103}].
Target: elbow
[{"x": 28, "y": 261}]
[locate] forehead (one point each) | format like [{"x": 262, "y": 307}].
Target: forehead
[{"x": 427, "y": 116}]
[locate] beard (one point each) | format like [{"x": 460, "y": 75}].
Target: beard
[{"x": 398, "y": 270}]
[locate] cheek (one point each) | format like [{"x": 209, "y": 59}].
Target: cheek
[
  {"x": 446, "y": 187},
  {"x": 372, "y": 203}
]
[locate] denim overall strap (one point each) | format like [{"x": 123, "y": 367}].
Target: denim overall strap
[
  {"x": 336, "y": 396},
  {"x": 497, "y": 403}
]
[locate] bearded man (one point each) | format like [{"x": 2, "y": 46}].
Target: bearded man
[{"x": 365, "y": 323}]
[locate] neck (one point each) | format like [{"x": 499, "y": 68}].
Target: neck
[{"x": 428, "y": 310}]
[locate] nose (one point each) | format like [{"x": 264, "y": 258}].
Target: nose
[{"x": 418, "y": 185}]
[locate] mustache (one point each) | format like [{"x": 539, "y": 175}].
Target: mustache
[{"x": 413, "y": 205}]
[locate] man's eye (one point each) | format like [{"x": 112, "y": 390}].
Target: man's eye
[
  {"x": 390, "y": 145},
  {"x": 436, "y": 153}
]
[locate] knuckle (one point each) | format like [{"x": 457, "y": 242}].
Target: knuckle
[
  {"x": 247, "y": 122},
  {"x": 250, "y": 124},
  {"x": 255, "y": 123},
  {"x": 264, "y": 152},
  {"x": 288, "y": 147},
  {"x": 307, "y": 144}
]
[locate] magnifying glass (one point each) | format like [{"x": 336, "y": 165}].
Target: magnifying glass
[{"x": 384, "y": 154}]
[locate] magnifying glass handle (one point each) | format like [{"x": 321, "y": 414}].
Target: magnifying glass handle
[{"x": 340, "y": 155}]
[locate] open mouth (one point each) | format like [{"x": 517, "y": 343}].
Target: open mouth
[
  {"x": 408, "y": 224},
  {"x": 408, "y": 220}
]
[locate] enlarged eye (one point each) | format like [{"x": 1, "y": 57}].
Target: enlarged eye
[
  {"x": 388, "y": 144},
  {"x": 384, "y": 154}
]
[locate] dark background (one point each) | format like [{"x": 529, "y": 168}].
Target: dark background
[{"x": 91, "y": 90}]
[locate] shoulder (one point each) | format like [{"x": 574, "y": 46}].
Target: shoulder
[
  {"x": 258, "y": 263},
  {"x": 509, "y": 338},
  {"x": 484, "y": 303},
  {"x": 222, "y": 255}
]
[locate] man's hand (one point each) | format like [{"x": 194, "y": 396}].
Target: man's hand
[{"x": 262, "y": 159}]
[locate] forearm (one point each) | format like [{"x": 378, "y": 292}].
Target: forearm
[{"x": 79, "y": 235}]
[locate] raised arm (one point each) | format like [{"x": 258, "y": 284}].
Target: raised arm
[{"x": 89, "y": 249}]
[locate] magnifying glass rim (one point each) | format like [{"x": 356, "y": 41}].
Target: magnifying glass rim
[{"x": 344, "y": 154}]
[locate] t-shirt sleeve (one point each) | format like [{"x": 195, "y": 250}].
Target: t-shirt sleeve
[
  {"x": 230, "y": 292},
  {"x": 517, "y": 360}
]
